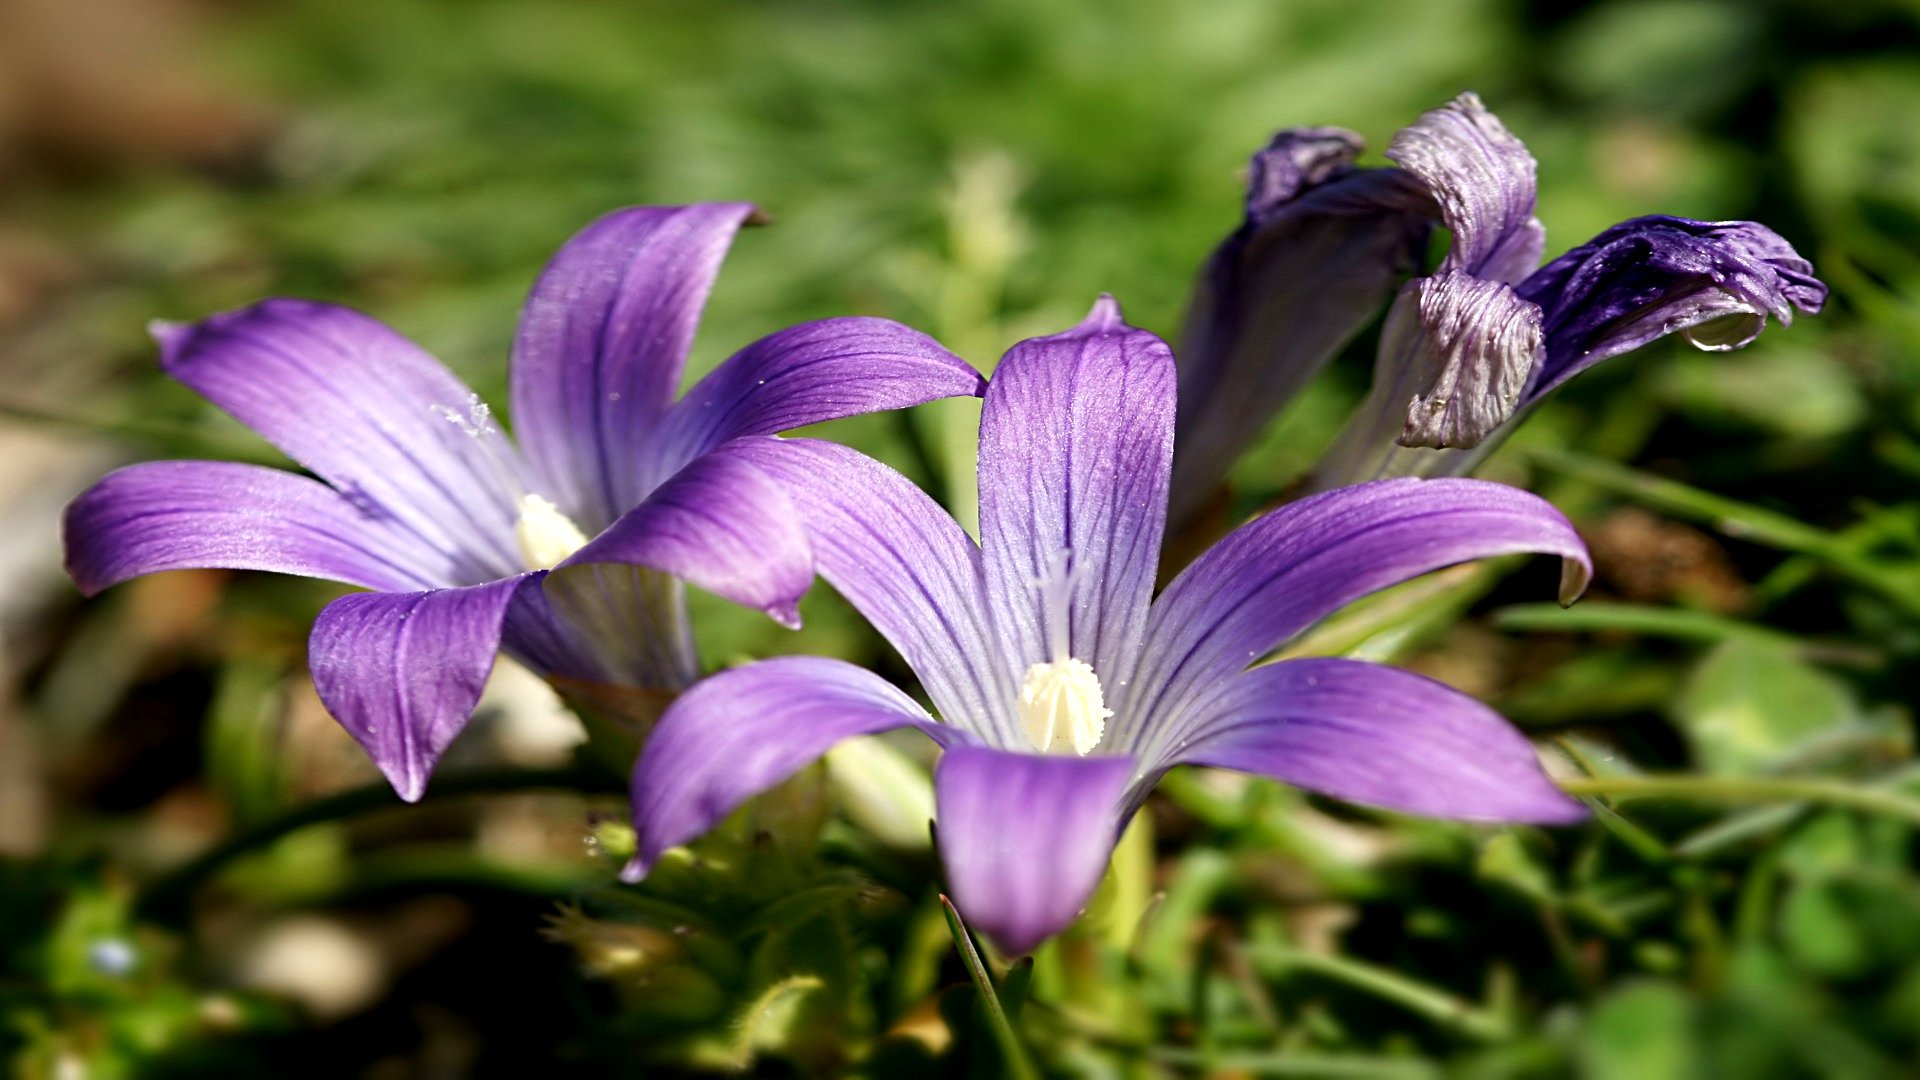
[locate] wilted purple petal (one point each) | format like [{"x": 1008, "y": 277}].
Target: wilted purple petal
[
  {"x": 176, "y": 515},
  {"x": 1286, "y": 570},
  {"x": 1483, "y": 179},
  {"x": 402, "y": 672},
  {"x": 738, "y": 733},
  {"x": 905, "y": 565},
  {"x": 1713, "y": 281},
  {"x": 722, "y": 524},
  {"x": 1076, "y": 442},
  {"x": 813, "y": 372},
  {"x": 1026, "y": 837},
  {"x": 1380, "y": 736},
  {"x": 1314, "y": 260},
  {"x": 1477, "y": 345},
  {"x": 602, "y": 341},
  {"x": 364, "y": 408}
]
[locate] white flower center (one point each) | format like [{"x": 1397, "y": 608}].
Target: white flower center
[
  {"x": 1061, "y": 702},
  {"x": 545, "y": 535}
]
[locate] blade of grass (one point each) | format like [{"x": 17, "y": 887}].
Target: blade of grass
[{"x": 1011, "y": 1052}]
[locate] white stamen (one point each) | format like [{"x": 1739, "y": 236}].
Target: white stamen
[
  {"x": 545, "y": 535},
  {"x": 1061, "y": 702}
]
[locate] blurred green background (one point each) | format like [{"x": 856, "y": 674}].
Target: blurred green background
[{"x": 980, "y": 170}]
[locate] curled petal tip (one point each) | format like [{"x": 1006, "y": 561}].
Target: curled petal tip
[
  {"x": 1575, "y": 574},
  {"x": 786, "y": 613},
  {"x": 408, "y": 783},
  {"x": 1105, "y": 317},
  {"x": 1568, "y": 811},
  {"x": 635, "y": 871}
]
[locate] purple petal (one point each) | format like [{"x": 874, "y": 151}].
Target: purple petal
[
  {"x": 402, "y": 672},
  {"x": 1713, "y": 281},
  {"x": 368, "y": 412},
  {"x": 1483, "y": 179},
  {"x": 1284, "y": 571},
  {"x": 1026, "y": 837},
  {"x": 1381, "y": 736},
  {"x": 1476, "y": 346},
  {"x": 738, "y": 733},
  {"x": 1312, "y": 264},
  {"x": 722, "y": 524},
  {"x": 1076, "y": 444},
  {"x": 813, "y": 372},
  {"x": 602, "y": 341},
  {"x": 176, "y": 515},
  {"x": 904, "y": 564},
  {"x": 605, "y": 623}
]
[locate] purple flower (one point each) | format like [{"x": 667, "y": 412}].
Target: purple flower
[
  {"x": 566, "y": 549},
  {"x": 1063, "y": 688},
  {"x": 1469, "y": 347}
]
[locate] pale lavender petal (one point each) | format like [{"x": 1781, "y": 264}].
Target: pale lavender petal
[
  {"x": 1026, "y": 837},
  {"x": 602, "y": 342},
  {"x": 1381, "y": 736},
  {"x": 1715, "y": 282},
  {"x": 608, "y": 623},
  {"x": 1282, "y": 572},
  {"x": 402, "y": 672},
  {"x": 1076, "y": 444},
  {"x": 368, "y": 412},
  {"x": 1312, "y": 263},
  {"x": 1483, "y": 179},
  {"x": 722, "y": 524},
  {"x": 740, "y": 732},
  {"x": 175, "y": 515},
  {"x": 907, "y": 566},
  {"x": 1478, "y": 344},
  {"x": 809, "y": 373}
]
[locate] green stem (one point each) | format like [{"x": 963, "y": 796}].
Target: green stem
[
  {"x": 1848, "y": 794},
  {"x": 167, "y": 898},
  {"x": 1436, "y": 1005},
  {"x": 1011, "y": 1051}
]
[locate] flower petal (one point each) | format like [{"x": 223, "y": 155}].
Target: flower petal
[
  {"x": 368, "y": 412},
  {"x": 1026, "y": 837},
  {"x": 602, "y": 340},
  {"x": 1076, "y": 446},
  {"x": 722, "y": 524},
  {"x": 1381, "y": 736},
  {"x": 1483, "y": 179},
  {"x": 402, "y": 672},
  {"x": 1652, "y": 276},
  {"x": 1284, "y": 571},
  {"x": 813, "y": 372},
  {"x": 740, "y": 732},
  {"x": 1477, "y": 345},
  {"x": 907, "y": 566},
  {"x": 175, "y": 515},
  {"x": 608, "y": 623},
  {"x": 1313, "y": 262}
]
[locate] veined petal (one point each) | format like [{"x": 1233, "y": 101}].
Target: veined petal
[
  {"x": 740, "y": 732},
  {"x": 722, "y": 524},
  {"x": 1477, "y": 346},
  {"x": 1026, "y": 837},
  {"x": 176, "y": 515},
  {"x": 907, "y": 566},
  {"x": 402, "y": 672},
  {"x": 1715, "y": 282},
  {"x": 813, "y": 372},
  {"x": 1380, "y": 736},
  {"x": 1076, "y": 446},
  {"x": 1313, "y": 262},
  {"x": 605, "y": 623},
  {"x": 602, "y": 340},
  {"x": 1284, "y": 571},
  {"x": 368, "y": 412},
  {"x": 1483, "y": 179}
]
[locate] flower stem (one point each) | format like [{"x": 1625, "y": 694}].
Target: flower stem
[
  {"x": 1014, "y": 1055},
  {"x": 1434, "y": 1004},
  {"x": 167, "y": 897},
  {"x": 1848, "y": 794}
]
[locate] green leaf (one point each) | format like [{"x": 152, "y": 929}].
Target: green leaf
[{"x": 1749, "y": 703}]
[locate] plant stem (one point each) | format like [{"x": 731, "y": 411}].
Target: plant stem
[
  {"x": 1847, "y": 794},
  {"x": 166, "y": 898},
  {"x": 1014, "y": 1056},
  {"x": 1434, "y": 1004}
]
